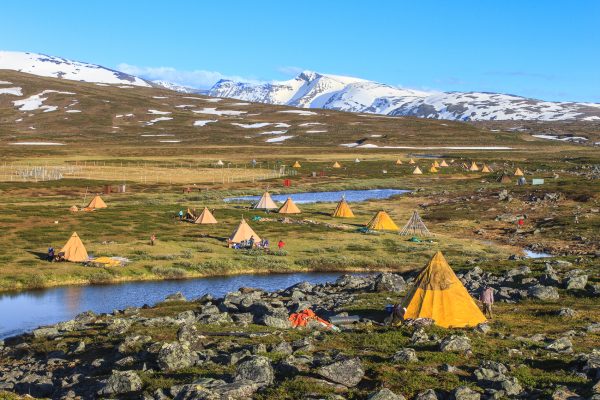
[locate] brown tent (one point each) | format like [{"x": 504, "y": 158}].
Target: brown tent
[
  {"x": 289, "y": 207},
  {"x": 96, "y": 202},
  {"x": 504, "y": 179},
  {"x": 74, "y": 250},
  {"x": 411, "y": 161},
  {"x": 205, "y": 217},
  {"x": 243, "y": 232}
]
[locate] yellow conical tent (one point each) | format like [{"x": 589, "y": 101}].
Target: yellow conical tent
[
  {"x": 485, "y": 168},
  {"x": 336, "y": 165},
  {"x": 433, "y": 169},
  {"x": 205, "y": 217},
  {"x": 398, "y": 162},
  {"x": 74, "y": 250},
  {"x": 411, "y": 161},
  {"x": 343, "y": 210},
  {"x": 474, "y": 167},
  {"x": 296, "y": 165},
  {"x": 382, "y": 222},
  {"x": 289, "y": 207},
  {"x": 189, "y": 214},
  {"x": 518, "y": 172},
  {"x": 443, "y": 163},
  {"x": 265, "y": 203},
  {"x": 438, "y": 294},
  {"x": 96, "y": 202},
  {"x": 436, "y": 164},
  {"x": 417, "y": 171},
  {"x": 243, "y": 232}
]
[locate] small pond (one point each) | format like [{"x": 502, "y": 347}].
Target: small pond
[{"x": 314, "y": 197}]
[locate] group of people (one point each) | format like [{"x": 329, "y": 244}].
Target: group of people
[
  {"x": 55, "y": 257},
  {"x": 252, "y": 244}
]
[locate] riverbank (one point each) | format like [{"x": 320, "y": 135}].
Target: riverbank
[{"x": 241, "y": 345}]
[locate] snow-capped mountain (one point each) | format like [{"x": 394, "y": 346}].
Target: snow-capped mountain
[
  {"x": 315, "y": 90},
  {"x": 177, "y": 88},
  {"x": 57, "y": 67}
]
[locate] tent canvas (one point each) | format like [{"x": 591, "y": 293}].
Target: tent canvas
[
  {"x": 289, "y": 207},
  {"x": 296, "y": 165},
  {"x": 243, "y": 232},
  {"x": 438, "y": 294},
  {"x": 356, "y": 160},
  {"x": 265, "y": 203},
  {"x": 443, "y": 163},
  {"x": 518, "y": 172},
  {"x": 205, "y": 217},
  {"x": 474, "y": 167},
  {"x": 342, "y": 210},
  {"x": 189, "y": 214},
  {"x": 73, "y": 209},
  {"x": 485, "y": 168},
  {"x": 415, "y": 226},
  {"x": 411, "y": 161},
  {"x": 336, "y": 165},
  {"x": 382, "y": 222},
  {"x": 417, "y": 171},
  {"x": 398, "y": 162},
  {"x": 220, "y": 163},
  {"x": 436, "y": 164},
  {"x": 433, "y": 169},
  {"x": 74, "y": 249},
  {"x": 96, "y": 202},
  {"x": 504, "y": 179}
]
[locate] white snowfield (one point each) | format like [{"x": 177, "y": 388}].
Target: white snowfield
[
  {"x": 273, "y": 133},
  {"x": 563, "y": 139},
  {"x": 77, "y": 111},
  {"x": 311, "y": 123},
  {"x": 278, "y": 139},
  {"x": 36, "y": 102},
  {"x": 204, "y": 122},
  {"x": 159, "y": 119},
  {"x": 316, "y": 131},
  {"x": 374, "y": 146},
  {"x": 214, "y": 111},
  {"x": 5, "y": 83},
  {"x": 299, "y": 112},
  {"x": 57, "y": 67},
  {"x": 157, "y": 112},
  {"x": 314, "y": 90},
  {"x": 15, "y": 91},
  {"x": 250, "y": 126},
  {"x": 37, "y": 144},
  {"x": 170, "y": 141}
]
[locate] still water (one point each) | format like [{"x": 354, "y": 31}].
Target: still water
[
  {"x": 314, "y": 197},
  {"x": 24, "y": 311}
]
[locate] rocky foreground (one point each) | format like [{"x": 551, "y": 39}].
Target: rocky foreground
[{"x": 544, "y": 343}]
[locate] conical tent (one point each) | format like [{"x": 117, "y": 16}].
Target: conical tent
[
  {"x": 398, "y": 162},
  {"x": 265, "y": 203},
  {"x": 343, "y": 210},
  {"x": 433, "y": 169},
  {"x": 296, "y": 165},
  {"x": 436, "y": 164},
  {"x": 438, "y": 294},
  {"x": 96, "y": 202},
  {"x": 356, "y": 160},
  {"x": 411, "y": 161},
  {"x": 415, "y": 226},
  {"x": 189, "y": 214},
  {"x": 73, "y": 209},
  {"x": 485, "y": 168},
  {"x": 220, "y": 163},
  {"x": 289, "y": 207},
  {"x": 205, "y": 217},
  {"x": 74, "y": 250},
  {"x": 382, "y": 222},
  {"x": 443, "y": 163},
  {"x": 243, "y": 232},
  {"x": 336, "y": 165},
  {"x": 417, "y": 171},
  {"x": 518, "y": 172},
  {"x": 474, "y": 167},
  {"x": 504, "y": 179}
]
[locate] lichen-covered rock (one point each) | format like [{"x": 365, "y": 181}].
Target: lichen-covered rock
[
  {"x": 405, "y": 355},
  {"x": 385, "y": 394},
  {"x": 174, "y": 356},
  {"x": 121, "y": 382},
  {"x": 456, "y": 343},
  {"x": 466, "y": 393},
  {"x": 256, "y": 369},
  {"x": 541, "y": 292},
  {"x": 348, "y": 372}
]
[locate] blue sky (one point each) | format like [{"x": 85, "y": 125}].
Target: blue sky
[{"x": 543, "y": 49}]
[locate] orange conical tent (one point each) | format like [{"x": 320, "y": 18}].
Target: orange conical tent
[
  {"x": 243, "y": 232},
  {"x": 518, "y": 172},
  {"x": 474, "y": 167},
  {"x": 343, "y": 210},
  {"x": 411, "y": 161},
  {"x": 436, "y": 164},
  {"x": 265, "y": 203},
  {"x": 417, "y": 171},
  {"x": 382, "y": 222},
  {"x": 438, "y": 294},
  {"x": 485, "y": 168},
  {"x": 443, "y": 163},
  {"x": 433, "y": 169},
  {"x": 289, "y": 207},
  {"x": 205, "y": 217},
  {"x": 296, "y": 165},
  {"x": 336, "y": 165},
  {"x": 96, "y": 202},
  {"x": 74, "y": 249},
  {"x": 398, "y": 162}
]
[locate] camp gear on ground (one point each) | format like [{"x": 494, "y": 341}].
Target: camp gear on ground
[
  {"x": 344, "y": 320},
  {"x": 106, "y": 262},
  {"x": 414, "y": 239},
  {"x": 289, "y": 207},
  {"x": 382, "y": 222},
  {"x": 342, "y": 210},
  {"x": 96, "y": 203},
  {"x": 243, "y": 232},
  {"x": 415, "y": 226},
  {"x": 74, "y": 250},
  {"x": 437, "y": 293},
  {"x": 189, "y": 215},
  {"x": 265, "y": 203},
  {"x": 302, "y": 318},
  {"x": 205, "y": 217}
]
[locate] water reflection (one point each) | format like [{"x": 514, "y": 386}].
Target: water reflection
[{"x": 314, "y": 197}]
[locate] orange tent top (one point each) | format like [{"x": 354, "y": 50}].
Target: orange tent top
[
  {"x": 74, "y": 249},
  {"x": 417, "y": 171},
  {"x": 342, "y": 210},
  {"x": 336, "y": 165},
  {"x": 443, "y": 163},
  {"x": 411, "y": 161},
  {"x": 96, "y": 202},
  {"x": 296, "y": 165},
  {"x": 398, "y": 162},
  {"x": 474, "y": 167},
  {"x": 518, "y": 172},
  {"x": 433, "y": 169},
  {"x": 485, "y": 168},
  {"x": 243, "y": 232},
  {"x": 289, "y": 207},
  {"x": 206, "y": 217},
  {"x": 438, "y": 294},
  {"x": 382, "y": 222}
]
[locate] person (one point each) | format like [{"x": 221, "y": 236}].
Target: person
[
  {"x": 280, "y": 244},
  {"x": 576, "y": 218},
  {"x": 251, "y": 242},
  {"x": 487, "y": 299},
  {"x": 152, "y": 239},
  {"x": 266, "y": 244},
  {"x": 50, "y": 254},
  {"x": 180, "y": 215}
]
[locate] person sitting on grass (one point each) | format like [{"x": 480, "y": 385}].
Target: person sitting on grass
[
  {"x": 50, "y": 254},
  {"x": 251, "y": 242}
]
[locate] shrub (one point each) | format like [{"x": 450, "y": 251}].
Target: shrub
[{"x": 169, "y": 272}]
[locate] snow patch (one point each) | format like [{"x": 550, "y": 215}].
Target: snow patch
[
  {"x": 36, "y": 102},
  {"x": 251, "y": 126},
  {"x": 273, "y": 133},
  {"x": 155, "y": 120},
  {"x": 214, "y": 111},
  {"x": 157, "y": 112},
  {"x": 73, "y": 111},
  {"x": 299, "y": 112},
  {"x": 204, "y": 122},
  {"x": 37, "y": 144},
  {"x": 15, "y": 91},
  {"x": 278, "y": 139}
]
